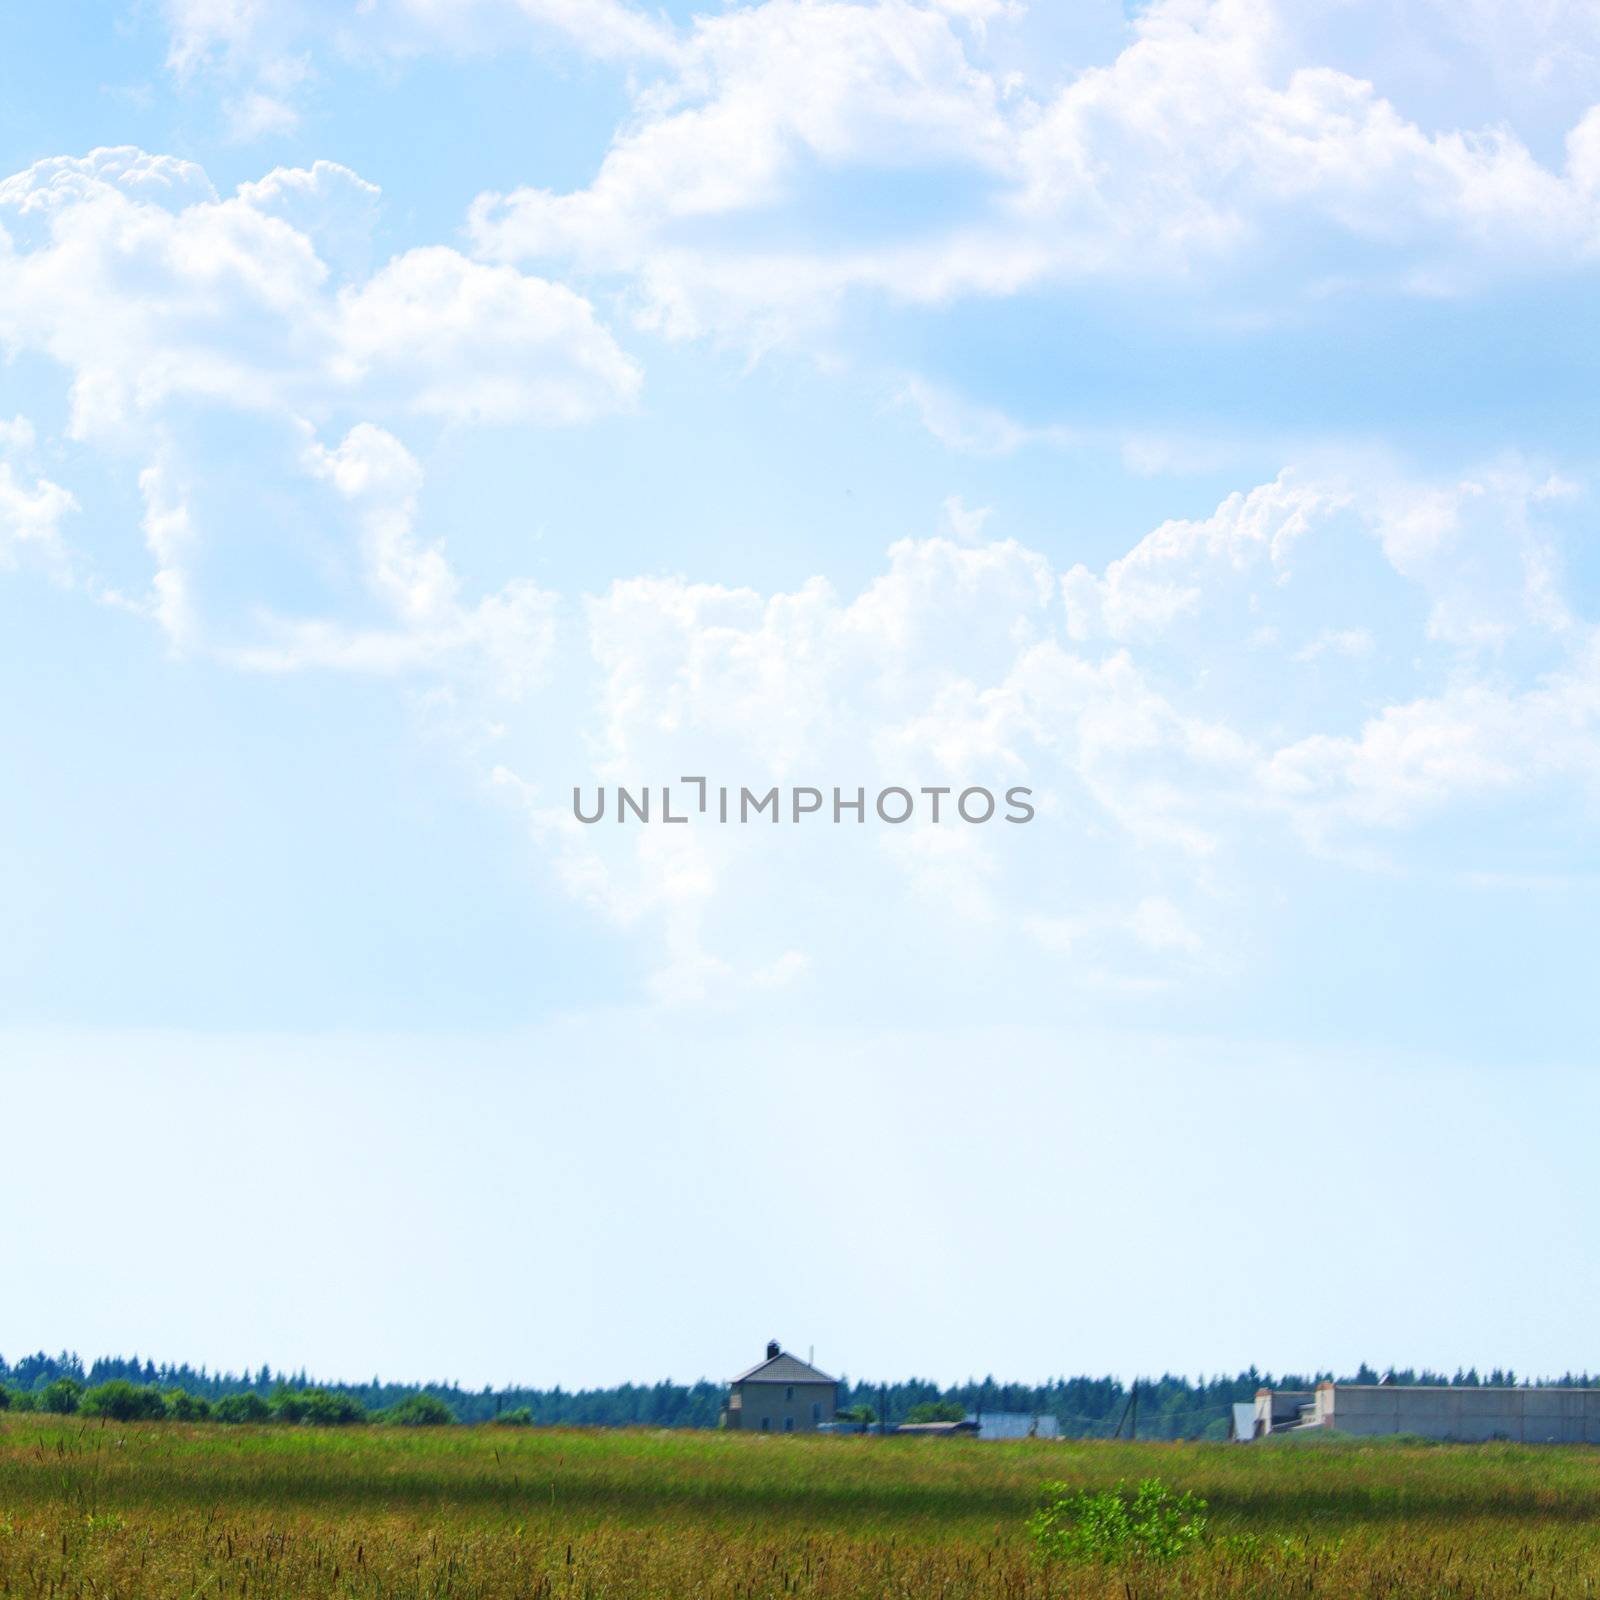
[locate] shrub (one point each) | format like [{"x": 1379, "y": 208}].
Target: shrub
[
  {"x": 937, "y": 1411},
  {"x": 1113, "y": 1525},
  {"x": 246, "y": 1407},
  {"x": 317, "y": 1408},
  {"x": 420, "y": 1411},
  {"x": 122, "y": 1401},
  {"x": 61, "y": 1396},
  {"x": 522, "y": 1417},
  {"x": 24, "y": 1400},
  {"x": 186, "y": 1407},
  {"x": 5, "y": 1397}
]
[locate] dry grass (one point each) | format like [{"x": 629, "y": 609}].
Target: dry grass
[{"x": 168, "y": 1510}]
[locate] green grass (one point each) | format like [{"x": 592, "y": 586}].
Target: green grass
[{"x": 166, "y": 1509}]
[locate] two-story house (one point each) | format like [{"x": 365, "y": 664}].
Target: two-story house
[{"x": 782, "y": 1394}]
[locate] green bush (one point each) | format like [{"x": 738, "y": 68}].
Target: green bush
[
  {"x": 122, "y": 1401},
  {"x": 62, "y": 1396},
  {"x": 5, "y": 1397},
  {"x": 24, "y": 1400},
  {"x": 420, "y": 1411},
  {"x": 937, "y": 1411},
  {"x": 522, "y": 1417},
  {"x": 1151, "y": 1523},
  {"x": 186, "y": 1407},
  {"x": 246, "y": 1407},
  {"x": 317, "y": 1408}
]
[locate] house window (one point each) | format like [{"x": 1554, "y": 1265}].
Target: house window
[
  {"x": 788, "y": 1424},
  {"x": 766, "y": 1424},
  {"x": 788, "y": 1394}
]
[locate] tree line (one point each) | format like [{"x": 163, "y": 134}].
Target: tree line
[{"x": 1168, "y": 1407}]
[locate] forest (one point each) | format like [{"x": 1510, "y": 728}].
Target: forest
[{"x": 1168, "y": 1407}]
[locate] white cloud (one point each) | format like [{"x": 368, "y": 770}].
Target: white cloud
[
  {"x": 1165, "y": 575},
  {"x": 501, "y": 644},
  {"x": 255, "y": 115},
  {"x": 965, "y": 522},
  {"x": 976, "y": 430},
  {"x": 1221, "y": 146},
  {"x": 265, "y": 56},
  {"x": 1476, "y": 549},
  {"x": 60, "y": 182},
  {"x": 1205, "y": 144},
  {"x": 333, "y": 207},
  {"x": 155, "y": 295},
  {"x": 1473, "y": 742},
  {"x": 1352, "y": 643},
  {"x": 605, "y": 29},
  {"x": 128, "y": 271},
  {"x": 978, "y": 662},
  {"x": 32, "y": 508},
  {"x": 169, "y": 535},
  {"x": 949, "y": 668},
  {"x": 479, "y": 343}
]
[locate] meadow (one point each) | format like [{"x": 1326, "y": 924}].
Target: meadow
[{"x": 93, "y": 1508}]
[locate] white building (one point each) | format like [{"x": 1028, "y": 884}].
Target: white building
[
  {"x": 1456, "y": 1411},
  {"x": 1015, "y": 1425}
]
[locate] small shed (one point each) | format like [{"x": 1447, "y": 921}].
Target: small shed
[{"x": 1015, "y": 1424}]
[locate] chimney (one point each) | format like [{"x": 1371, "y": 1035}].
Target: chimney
[{"x": 773, "y": 1352}]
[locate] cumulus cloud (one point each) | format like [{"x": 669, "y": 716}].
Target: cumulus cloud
[
  {"x": 479, "y": 343},
  {"x": 1106, "y": 692},
  {"x": 1166, "y": 575},
  {"x": 1206, "y": 144},
  {"x": 501, "y": 643},
  {"x": 1161, "y": 704},
  {"x": 166, "y": 304},
  {"x": 32, "y": 508},
  {"x": 241, "y": 35},
  {"x": 333, "y": 207},
  {"x": 1224, "y": 145},
  {"x": 267, "y": 56},
  {"x": 169, "y": 534},
  {"x": 1138, "y": 697},
  {"x": 128, "y": 270},
  {"x": 947, "y": 670},
  {"x": 1476, "y": 741}
]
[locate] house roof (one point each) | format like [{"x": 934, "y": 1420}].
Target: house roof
[{"x": 783, "y": 1368}]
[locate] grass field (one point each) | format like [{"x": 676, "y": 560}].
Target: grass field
[{"x": 165, "y": 1509}]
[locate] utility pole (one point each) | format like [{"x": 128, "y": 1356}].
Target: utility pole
[{"x": 1122, "y": 1417}]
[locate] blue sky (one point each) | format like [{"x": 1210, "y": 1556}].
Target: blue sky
[{"x": 409, "y": 412}]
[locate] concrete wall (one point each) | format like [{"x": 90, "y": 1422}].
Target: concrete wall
[
  {"x": 1280, "y": 1408},
  {"x": 1014, "y": 1425},
  {"x": 782, "y": 1407},
  {"x": 1529, "y": 1416}
]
